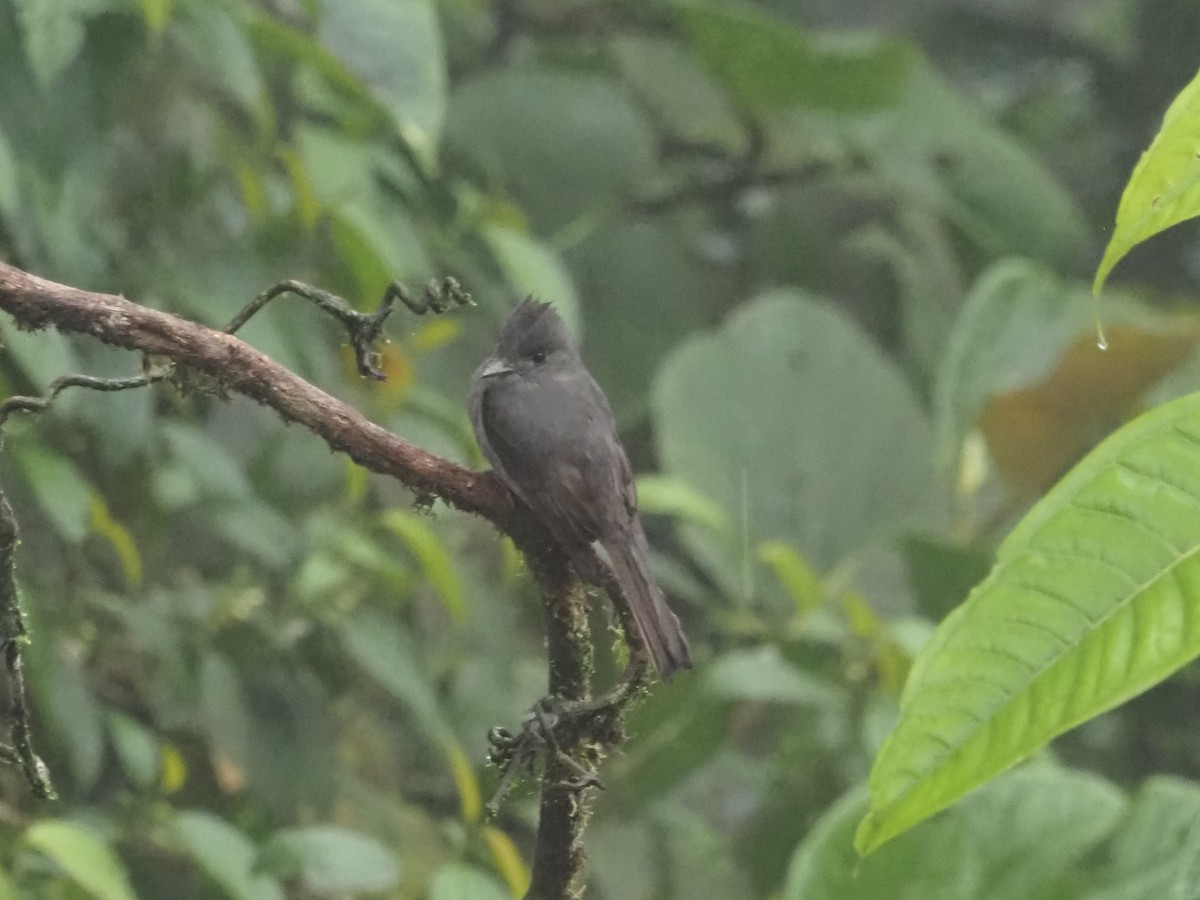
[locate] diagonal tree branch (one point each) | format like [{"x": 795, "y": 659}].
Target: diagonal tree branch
[{"x": 236, "y": 366}]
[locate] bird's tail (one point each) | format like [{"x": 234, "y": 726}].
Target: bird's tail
[{"x": 657, "y": 626}]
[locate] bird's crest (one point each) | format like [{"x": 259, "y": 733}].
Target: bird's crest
[{"x": 533, "y": 325}]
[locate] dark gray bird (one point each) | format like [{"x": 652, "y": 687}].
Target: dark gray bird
[{"x": 548, "y": 431}]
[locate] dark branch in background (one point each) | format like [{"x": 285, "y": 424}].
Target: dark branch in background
[
  {"x": 723, "y": 187},
  {"x": 569, "y": 732},
  {"x": 582, "y": 21},
  {"x": 722, "y": 175}
]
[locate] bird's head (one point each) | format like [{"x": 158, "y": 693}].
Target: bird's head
[{"x": 533, "y": 338}]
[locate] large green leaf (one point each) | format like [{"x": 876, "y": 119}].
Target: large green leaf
[
  {"x": 137, "y": 748},
  {"x": 221, "y": 50},
  {"x": 562, "y": 144},
  {"x": 1156, "y": 850},
  {"x": 431, "y": 554},
  {"x": 227, "y": 855},
  {"x": 395, "y": 47},
  {"x": 388, "y": 655},
  {"x": 681, "y": 95},
  {"x": 291, "y": 739},
  {"x": 223, "y": 711},
  {"x": 461, "y": 882},
  {"x": 642, "y": 294},
  {"x": 71, "y": 710},
  {"x": 1164, "y": 188},
  {"x": 61, "y": 491},
  {"x": 762, "y": 675},
  {"x": 768, "y": 64},
  {"x": 1012, "y": 841},
  {"x": 88, "y": 861},
  {"x": 1088, "y": 605},
  {"x": 534, "y": 268},
  {"x": 329, "y": 860},
  {"x": 53, "y": 32},
  {"x": 795, "y": 424},
  {"x": 936, "y": 149}
]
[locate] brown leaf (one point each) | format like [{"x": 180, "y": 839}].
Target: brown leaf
[{"x": 1036, "y": 433}]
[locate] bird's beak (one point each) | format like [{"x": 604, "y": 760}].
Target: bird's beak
[{"x": 494, "y": 367}]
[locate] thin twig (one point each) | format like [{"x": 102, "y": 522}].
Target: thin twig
[
  {"x": 58, "y": 385},
  {"x": 363, "y": 329}
]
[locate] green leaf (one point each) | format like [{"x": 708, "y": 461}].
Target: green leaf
[
  {"x": 806, "y": 435},
  {"x": 220, "y": 48},
  {"x": 682, "y": 727},
  {"x": 330, "y": 860},
  {"x": 1013, "y": 327},
  {"x": 562, "y": 144},
  {"x": 1088, "y": 605},
  {"x": 461, "y": 882},
  {"x": 260, "y": 531},
  {"x": 385, "y": 227},
  {"x": 291, "y": 738},
  {"x": 387, "y": 654},
  {"x": 275, "y": 36},
  {"x": 616, "y": 269},
  {"x": 942, "y": 572},
  {"x": 761, "y": 675},
  {"x": 156, "y": 14},
  {"x": 53, "y": 32},
  {"x": 1156, "y": 850},
  {"x": 227, "y": 855},
  {"x": 435, "y": 561},
  {"x": 42, "y": 356},
  {"x": 768, "y": 64},
  {"x": 663, "y": 496},
  {"x": 795, "y": 574},
  {"x": 1164, "y": 188},
  {"x": 138, "y": 749},
  {"x": 63, "y": 494},
  {"x": 214, "y": 468},
  {"x": 687, "y": 102},
  {"x": 395, "y": 47},
  {"x": 66, "y": 699},
  {"x": 223, "y": 713},
  {"x": 937, "y": 151},
  {"x": 1017, "y": 838},
  {"x": 338, "y": 167},
  {"x": 86, "y": 859},
  {"x": 531, "y": 267}
]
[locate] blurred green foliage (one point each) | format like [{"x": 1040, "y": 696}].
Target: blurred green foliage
[{"x": 830, "y": 263}]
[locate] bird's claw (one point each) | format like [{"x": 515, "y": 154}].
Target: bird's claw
[{"x": 538, "y": 740}]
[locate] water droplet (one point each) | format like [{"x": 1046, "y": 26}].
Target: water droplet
[{"x": 1101, "y": 338}]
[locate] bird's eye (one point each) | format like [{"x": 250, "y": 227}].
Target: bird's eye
[{"x": 538, "y": 357}]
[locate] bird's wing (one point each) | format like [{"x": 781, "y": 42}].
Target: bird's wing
[
  {"x": 616, "y": 464},
  {"x": 556, "y": 490}
]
